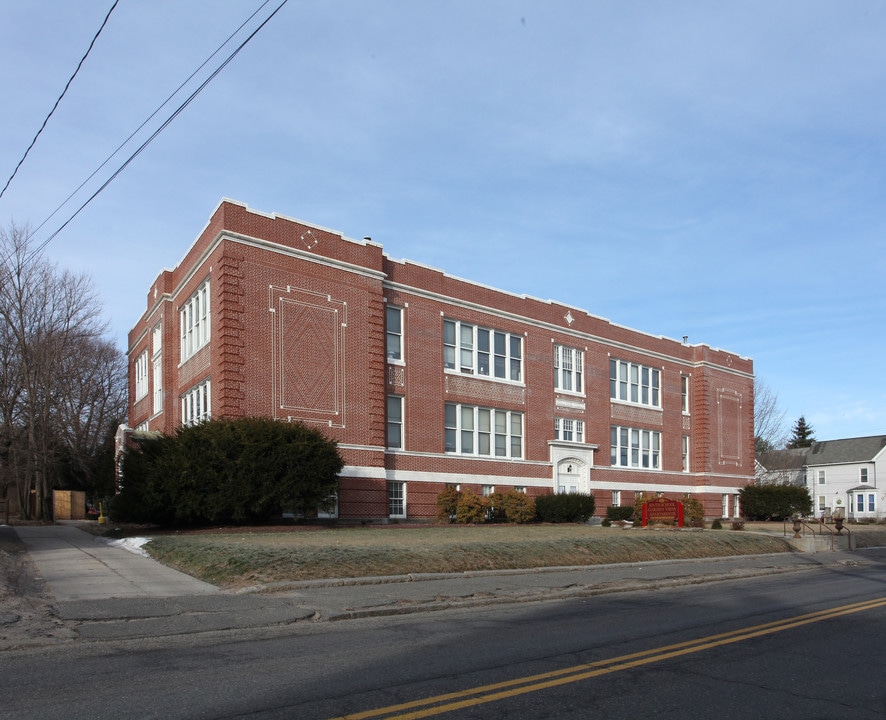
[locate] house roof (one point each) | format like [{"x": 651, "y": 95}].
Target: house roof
[
  {"x": 791, "y": 459},
  {"x": 832, "y": 452},
  {"x": 824, "y": 452}
]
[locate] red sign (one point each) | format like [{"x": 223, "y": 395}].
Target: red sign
[{"x": 663, "y": 510}]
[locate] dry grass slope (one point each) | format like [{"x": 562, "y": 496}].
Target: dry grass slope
[{"x": 234, "y": 558}]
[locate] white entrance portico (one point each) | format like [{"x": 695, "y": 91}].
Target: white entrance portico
[{"x": 572, "y": 463}]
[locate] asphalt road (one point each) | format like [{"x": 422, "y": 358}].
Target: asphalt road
[{"x": 801, "y": 645}]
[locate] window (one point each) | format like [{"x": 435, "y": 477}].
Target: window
[
  {"x": 473, "y": 430},
  {"x": 616, "y": 498},
  {"x": 685, "y": 453},
  {"x": 822, "y": 502},
  {"x": 863, "y": 473},
  {"x": 397, "y": 499},
  {"x": 157, "y": 342},
  {"x": 859, "y": 502},
  {"x": 634, "y": 383},
  {"x": 631, "y": 447},
  {"x": 821, "y": 477},
  {"x": 196, "y": 405},
  {"x": 394, "y": 328},
  {"x": 141, "y": 375},
  {"x": 871, "y": 503},
  {"x": 158, "y": 384},
  {"x": 194, "y": 316},
  {"x": 569, "y": 430},
  {"x": 478, "y": 351},
  {"x": 520, "y": 489},
  {"x": 487, "y": 490},
  {"x": 568, "y": 369},
  {"x": 395, "y": 422},
  {"x": 684, "y": 393}
]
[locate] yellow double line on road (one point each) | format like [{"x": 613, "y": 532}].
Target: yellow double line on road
[{"x": 450, "y": 702}]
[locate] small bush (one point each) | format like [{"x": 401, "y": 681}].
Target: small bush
[
  {"x": 614, "y": 513},
  {"x": 693, "y": 512},
  {"x": 606, "y": 522},
  {"x": 447, "y": 504},
  {"x": 471, "y": 508},
  {"x": 518, "y": 507},
  {"x": 738, "y": 524},
  {"x": 564, "y": 507},
  {"x": 716, "y": 525}
]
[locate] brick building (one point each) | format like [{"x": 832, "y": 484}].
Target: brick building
[{"x": 426, "y": 379}]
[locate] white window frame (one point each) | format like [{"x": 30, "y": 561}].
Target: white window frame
[
  {"x": 569, "y": 370},
  {"x": 863, "y": 475},
  {"x": 634, "y": 383},
  {"x": 194, "y": 317},
  {"x": 394, "y": 334},
  {"x": 684, "y": 393},
  {"x": 821, "y": 477},
  {"x": 141, "y": 376},
  {"x": 396, "y": 499},
  {"x": 394, "y": 422},
  {"x": 197, "y": 404},
  {"x": 822, "y": 502},
  {"x": 616, "y": 498},
  {"x": 685, "y": 453},
  {"x": 483, "y": 432},
  {"x": 634, "y": 448},
  {"x": 470, "y": 349},
  {"x": 569, "y": 430},
  {"x": 158, "y": 384}
]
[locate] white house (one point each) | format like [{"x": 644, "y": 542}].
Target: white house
[{"x": 842, "y": 475}]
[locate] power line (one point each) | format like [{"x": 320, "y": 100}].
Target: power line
[
  {"x": 150, "y": 117},
  {"x": 164, "y": 125},
  {"x": 77, "y": 69}
]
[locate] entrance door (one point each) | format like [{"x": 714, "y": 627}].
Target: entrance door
[{"x": 568, "y": 476}]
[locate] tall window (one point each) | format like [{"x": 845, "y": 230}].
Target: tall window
[
  {"x": 821, "y": 477},
  {"x": 684, "y": 393},
  {"x": 863, "y": 475},
  {"x": 141, "y": 375},
  {"x": 616, "y": 498},
  {"x": 633, "y": 383},
  {"x": 822, "y": 502},
  {"x": 196, "y": 405},
  {"x": 635, "y": 448},
  {"x": 395, "y": 422},
  {"x": 871, "y": 502},
  {"x": 157, "y": 341},
  {"x": 394, "y": 332},
  {"x": 479, "y": 351},
  {"x": 194, "y": 316},
  {"x": 568, "y": 369},
  {"x": 685, "y": 453},
  {"x": 471, "y": 430},
  {"x": 397, "y": 499},
  {"x": 569, "y": 430}
]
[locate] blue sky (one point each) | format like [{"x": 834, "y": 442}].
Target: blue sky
[{"x": 713, "y": 170}]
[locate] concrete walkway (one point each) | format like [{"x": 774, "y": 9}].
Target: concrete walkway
[{"x": 79, "y": 566}]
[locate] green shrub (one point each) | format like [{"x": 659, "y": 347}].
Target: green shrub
[
  {"x": 775, "y": 502},
  {"x": 716, "y": 525},
  {"x": 615, "y": 513},
  {"x": 564, "y": 507},
  {"x": 244, "y": 470},
  {"x": 471, "y": 508}
]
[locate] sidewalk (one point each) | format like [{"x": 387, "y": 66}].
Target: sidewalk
[{"x": 104, "y": 592}]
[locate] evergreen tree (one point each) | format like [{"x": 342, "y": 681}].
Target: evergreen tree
[{"x": 802, "y": 434}]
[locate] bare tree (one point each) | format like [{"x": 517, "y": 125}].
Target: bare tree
[
  {"x": 59, "y": 379},
  {"x": 769, "y": 430}
]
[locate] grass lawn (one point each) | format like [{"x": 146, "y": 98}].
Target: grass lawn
[{"x": 238, "y": 557}]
